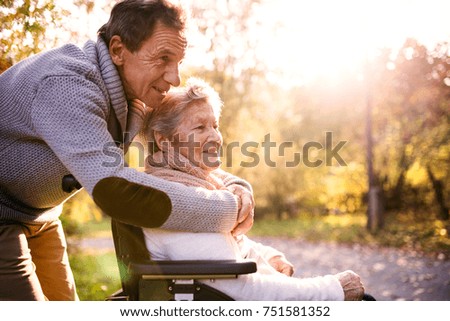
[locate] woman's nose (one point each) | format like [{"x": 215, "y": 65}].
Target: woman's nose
[{"x": 215, "y": 136}]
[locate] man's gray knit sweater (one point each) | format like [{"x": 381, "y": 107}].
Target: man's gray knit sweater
[{"x": 56, "y": 111}]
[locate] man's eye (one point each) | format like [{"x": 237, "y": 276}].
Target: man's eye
[
  {"x": 200, "y": 127},
  {"x": 165, "y": 58}
]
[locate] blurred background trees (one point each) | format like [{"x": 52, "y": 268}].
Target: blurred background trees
[
  {"x": 410, "y": 88},
  {"x": 412, "y": 127},
  {"x": 23, "y": 25}
]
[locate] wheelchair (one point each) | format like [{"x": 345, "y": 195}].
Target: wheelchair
[{"x": 146, "y": 280}]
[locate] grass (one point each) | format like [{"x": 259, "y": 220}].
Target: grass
[
  {"x": 97, "y": 275},
  {"x": 402, "y": 230},
  {"x": 312, "y": 228},
  {"x": 95, "y": 271}
]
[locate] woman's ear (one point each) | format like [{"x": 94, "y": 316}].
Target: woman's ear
[
  {"x": 161, "y": 141},
  {"x": 117, "y": 50}
]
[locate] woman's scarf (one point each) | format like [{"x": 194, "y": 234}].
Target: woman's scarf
[{"x": 175, "y": 167}]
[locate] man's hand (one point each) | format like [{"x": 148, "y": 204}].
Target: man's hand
[
  {"x": 282, "y": 265},
  {"x": 352, "y": 286},
  {"x": 246, "y": 205}
]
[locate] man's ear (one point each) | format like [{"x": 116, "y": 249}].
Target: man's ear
[
  {"x": 117, "y": 50},
  {"x": 161, "y": 140}
]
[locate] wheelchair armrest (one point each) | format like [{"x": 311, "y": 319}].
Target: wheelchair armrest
[{"x": 191, "y": 269}]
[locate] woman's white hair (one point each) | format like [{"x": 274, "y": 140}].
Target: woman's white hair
[{"x": 175, "y": 106}]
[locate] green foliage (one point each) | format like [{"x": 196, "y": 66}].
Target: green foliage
[
  {"x": 411, "y": 231},
  {"x": 79, "y": 210},
  {"x": 23, "y": 27}
]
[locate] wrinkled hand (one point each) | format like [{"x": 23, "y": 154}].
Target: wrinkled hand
[
  {"x": 140, "y": 105},
  {"x": 351, "y": 284},
  {"x": 282, "y": 265},
  {"x": 246, "y": 205}
]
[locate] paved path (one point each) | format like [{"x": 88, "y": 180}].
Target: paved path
[{"x": 387, "y": 274}]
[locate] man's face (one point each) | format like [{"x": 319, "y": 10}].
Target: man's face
[
  {"x": 198, "y": 137},
  {"x": 148, "y": 73}
]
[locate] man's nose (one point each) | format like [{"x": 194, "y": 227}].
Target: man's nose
[{"x": 172, "y": 76}]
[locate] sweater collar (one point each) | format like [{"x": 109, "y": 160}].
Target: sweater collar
[{"x": 99, "y": 55}]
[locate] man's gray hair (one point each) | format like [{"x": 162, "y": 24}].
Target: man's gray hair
[{"x": 135, "y": 20}]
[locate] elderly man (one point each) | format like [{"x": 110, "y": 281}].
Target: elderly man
[{"x": 66, "y": 116}]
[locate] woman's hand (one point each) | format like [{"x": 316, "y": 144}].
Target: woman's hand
[
  {"x": 246, "y": 205},
  {"x": 282, "y": 265},
  {"x": 139, "y": 104},
  {"x": 351, "y": 284}
]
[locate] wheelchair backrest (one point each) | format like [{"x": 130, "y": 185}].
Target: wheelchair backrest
[{"x": 130, "y": 246}]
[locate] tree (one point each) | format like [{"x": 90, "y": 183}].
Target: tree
[
  {"x": 411, "y": 121},
  {"x": 22, "y": 28}
]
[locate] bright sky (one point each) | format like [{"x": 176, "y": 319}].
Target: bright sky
[
  {"x": 330, "y": 36},
  {"x": 326, "y": 37}
]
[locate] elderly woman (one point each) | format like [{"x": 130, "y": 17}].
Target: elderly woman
[{"x": 184, "y": 133}]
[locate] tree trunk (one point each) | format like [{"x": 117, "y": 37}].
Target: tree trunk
[
  {"x": 439, "y": 195},
  {"x": 375, "y": 207},
  {"x": 375, "y": 210},
  {"x": 394, "y": 200}
]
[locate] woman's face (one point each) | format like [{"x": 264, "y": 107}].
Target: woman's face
[{"x": 198, "y": 138}]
